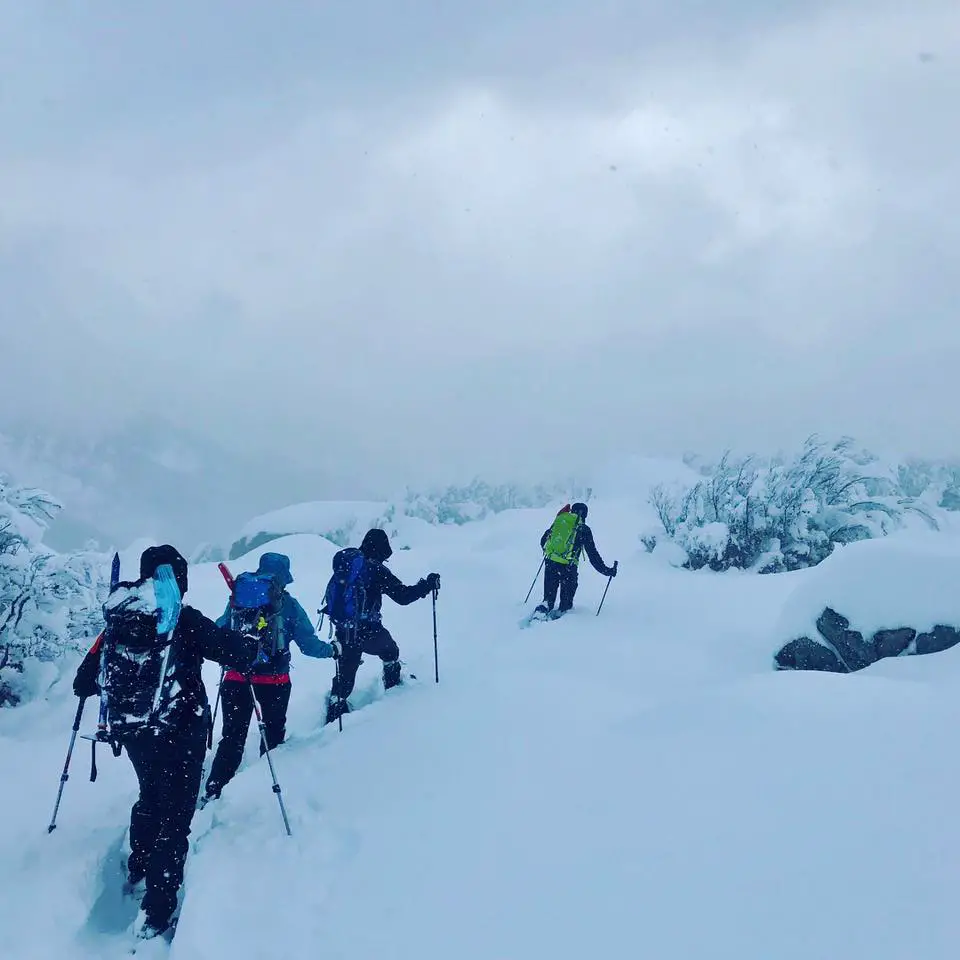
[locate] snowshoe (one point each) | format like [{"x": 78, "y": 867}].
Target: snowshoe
[{"x": 336, "y": 708}]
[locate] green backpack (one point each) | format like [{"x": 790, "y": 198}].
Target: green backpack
[{"x": 563, "y": 533}]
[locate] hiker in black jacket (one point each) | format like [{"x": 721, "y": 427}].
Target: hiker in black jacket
[
  {"x": 371, "y": 636},
  {"x": 166, "y": 741},
  {"x": 562, "y": 556}
]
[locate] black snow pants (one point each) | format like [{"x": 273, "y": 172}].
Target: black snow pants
[
  {"x": 273, "y": 699},
  {"x": 375, "y": 641},
  {"x": 560, "y": 577},
  {"x": 169, "y": 767}
]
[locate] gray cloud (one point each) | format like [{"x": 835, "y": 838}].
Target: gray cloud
[{"x": 522, "y": 237}]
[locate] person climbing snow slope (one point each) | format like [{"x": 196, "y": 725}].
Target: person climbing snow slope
[
  {"x": 562, "y": 544},
  {"x": 261, "y": 605},
  {"x": 353, "y": 601},
  {"x": 146, "y": 669}
]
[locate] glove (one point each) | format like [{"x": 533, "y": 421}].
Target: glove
[
  {"x": 433, "y": 582},
  {"x": 337, "y": 648},
  {"x": 84, "y": 687},
  {"x": 613, "y": 569},
  {"x": 85, "y": 682}
]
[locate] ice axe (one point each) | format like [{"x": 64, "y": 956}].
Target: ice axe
[{"x": 228, "y": 579}]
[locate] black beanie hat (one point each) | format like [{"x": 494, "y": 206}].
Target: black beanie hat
[{"x": 154, "y": 557}]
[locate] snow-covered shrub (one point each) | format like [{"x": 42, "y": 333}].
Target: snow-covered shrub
[
  {"x": 934, "y": 482},
  {"x": 479, "y": 499},
  {"x": 49, "y": 603},
  {"x": 784, "y": 514}
]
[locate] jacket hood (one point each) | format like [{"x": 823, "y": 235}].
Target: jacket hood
[
  {"x": 580, "y": 509},
  {"x": 376, "y": 545},
  {"x": 155, "y": 557},
  {"x": 276, "y": 565}
]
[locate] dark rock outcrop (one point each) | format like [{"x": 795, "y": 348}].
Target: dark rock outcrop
[
  {"x": 939, "y": 639},
  {"x": 850, "y": 646},
  {"x": 839, "y": 649},
  {"x": 807, "y": 654},
  {"x": 892, "y": 643}
]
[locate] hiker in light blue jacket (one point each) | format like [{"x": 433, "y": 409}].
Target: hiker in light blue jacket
[{"x": 270, "y": 679}]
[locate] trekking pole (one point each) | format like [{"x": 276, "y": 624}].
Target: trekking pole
[
  {"x": 535, "y": 579},
  {"x": 336, "y": 662},
  {"x": 436, "y": 662},
  {"x": 216, "y": 707},
  {"x": 266, "y": 750},
  {"x": 605, "y": 589},
  {"x": 66, "y": 766}
]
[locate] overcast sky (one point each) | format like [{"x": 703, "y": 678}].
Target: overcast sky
[{"x": 438, "y": 237}]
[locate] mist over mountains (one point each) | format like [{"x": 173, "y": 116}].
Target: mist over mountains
[{"x": 156, "y": 479}]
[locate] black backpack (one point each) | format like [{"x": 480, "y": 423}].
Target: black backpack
[
  {"x": 256, "y": 610},
  {"x": 137, "y": 659}
]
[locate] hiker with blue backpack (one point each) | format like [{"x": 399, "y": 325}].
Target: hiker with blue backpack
[
  {"x": 260, "y": 606},
  {"x": 146, "y": 670},
  {"x": 562, "y": 544},
  {"x": 353, "y": 601}
]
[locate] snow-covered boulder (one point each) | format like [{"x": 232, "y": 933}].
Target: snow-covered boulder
[
  {"x": 339, "y": 521},
  {"x": 870, "y": 600}
]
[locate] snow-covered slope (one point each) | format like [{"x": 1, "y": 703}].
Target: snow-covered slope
[{"x": 640, "y": 783}]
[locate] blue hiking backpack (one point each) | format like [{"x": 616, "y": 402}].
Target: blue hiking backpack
[
  {"x": 255, "y": 610},
  {"x": 345, "y": 599}
]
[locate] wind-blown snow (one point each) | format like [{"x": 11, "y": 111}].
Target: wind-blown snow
[{"x": 640, "y": 783}]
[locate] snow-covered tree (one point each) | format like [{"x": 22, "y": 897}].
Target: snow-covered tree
[
  {"x": 479, "y": 499},
  {"x": 787, "y": 513},
  {"x": 49, "y": 602}
]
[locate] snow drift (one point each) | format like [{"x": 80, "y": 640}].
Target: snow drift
[{"x": 636, "y": 783}]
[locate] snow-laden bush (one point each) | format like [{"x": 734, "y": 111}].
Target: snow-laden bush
[
  {"x": 787, "y": 513},
  {"x": 935, "y": 482},
  {"x": 49, "y": 603},
  {"x": 479, "y": 499}
]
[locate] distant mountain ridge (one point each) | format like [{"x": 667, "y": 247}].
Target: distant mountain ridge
[{"x": 150, "y": 478}]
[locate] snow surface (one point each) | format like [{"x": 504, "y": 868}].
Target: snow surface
[{"x": 638, "y": 784}]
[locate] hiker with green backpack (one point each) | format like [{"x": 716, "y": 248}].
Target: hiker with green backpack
[{"x": 562, "y": 544}]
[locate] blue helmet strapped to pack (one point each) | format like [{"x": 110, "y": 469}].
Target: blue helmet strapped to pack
[{"x": 345, "y": 597}]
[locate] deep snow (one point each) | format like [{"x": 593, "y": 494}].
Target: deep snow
[{"x": 636, "y": 784}]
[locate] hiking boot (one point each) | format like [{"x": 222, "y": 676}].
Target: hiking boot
[
  {"x": 391, "y": 674},
  {"x": 149, "y": 927},
  {"x": 211, "y": 793}
]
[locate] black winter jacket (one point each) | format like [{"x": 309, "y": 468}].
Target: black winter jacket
[{"x": 385, "y": 582}]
